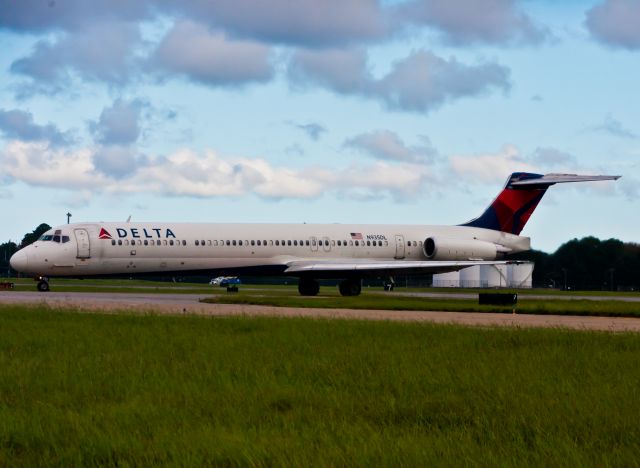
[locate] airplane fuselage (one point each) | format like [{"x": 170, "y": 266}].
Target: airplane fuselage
[{"x": 172, "y": 248}]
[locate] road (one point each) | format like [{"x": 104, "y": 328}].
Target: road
[{"x": 189, "y": 304}]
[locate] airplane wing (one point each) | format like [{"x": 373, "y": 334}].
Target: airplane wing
[{"x": 374, "y": 268}]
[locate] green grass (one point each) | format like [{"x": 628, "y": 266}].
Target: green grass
[
  {"x": 398, "y": 302},
  {"x": 87, "y": 389}
]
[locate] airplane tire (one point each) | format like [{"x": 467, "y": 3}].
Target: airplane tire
[
  {"x": 43, "y": 286},
  {"x": 308, "y": 287},
  {"x": 350, "y": 287}
]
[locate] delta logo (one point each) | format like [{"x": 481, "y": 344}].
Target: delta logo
[{"x": 137, "y": 233}]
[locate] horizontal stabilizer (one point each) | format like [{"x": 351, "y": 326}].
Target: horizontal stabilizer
[{"x": 550, "y": 179}]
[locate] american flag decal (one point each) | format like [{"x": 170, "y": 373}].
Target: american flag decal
[
  {"x": 356, "y": 235},
  {"x": 104, "y": 234}
]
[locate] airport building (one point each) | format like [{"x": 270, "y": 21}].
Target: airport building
[{"x": 488, "y": 276}]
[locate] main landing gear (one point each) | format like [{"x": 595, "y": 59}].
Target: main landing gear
[
  {"x": 350, "y": 287},
  {"x": 311, "y": 287},
  {"x": 43, "y": 283},
  {"x": 308, "y": 287}
]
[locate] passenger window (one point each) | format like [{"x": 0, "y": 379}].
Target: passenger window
[
  {"x": 414, "y": 243},
  {"x": 350, "y": 243},
  {"x": 258, "y": 242},
  {"x": 202, "y": 243},
  {"x": 357, "y": 243},
  {"x": 288, "y": 242},
  {"x": 215, "y": 242},
  {"x": 171, "y": 242},
  {"x": 333, "y": 242},
  {"x": 368, "y": 242},
  {"x": 313, "y": 242},
  {"x": 264, "y": 242},
  {"x": 277, "y": 242},
  {"x": 152, "y": 242},
  {"x": 164, "y": 242},
  {"x": 283, "y": 243},
  {"x": 228, "y": 242},
  {"x": 270, "y": 242},
  {"x": 234, "y": 242},
  {"x": 119, "y": 241},
  {"x": 295, "y": 242},
  {"x": 184, "y": 242},
  {"x": 409, "y": 243},
  {"x": 239, "y": 242},
  {"x": 197, "y": 242},
  {"x": 306, "y": 243},
  {"x": 113, "y": 242},
  {"x": 253, "y": 242},
  {"x": 146, "y": 242},
  {"x": 209, "y": 243}
]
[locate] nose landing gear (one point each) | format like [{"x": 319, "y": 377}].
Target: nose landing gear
[{"x": 43, "y": 283}]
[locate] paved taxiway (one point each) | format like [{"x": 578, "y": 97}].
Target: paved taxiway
[{"x": 189, "y": 303}]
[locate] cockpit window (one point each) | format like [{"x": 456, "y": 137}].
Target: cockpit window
[
  {"x": 46, "y": 237},
  {"x": 65, "y": 239},
  {"x": 56, "y": 238}
]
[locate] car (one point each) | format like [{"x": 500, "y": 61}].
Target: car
[{"x": 225, "y": 281}]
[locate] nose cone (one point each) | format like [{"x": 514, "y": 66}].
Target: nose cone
[{"x": 20, "y": 261}]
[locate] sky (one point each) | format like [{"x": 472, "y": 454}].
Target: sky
[{"x": 346, "y": 111}]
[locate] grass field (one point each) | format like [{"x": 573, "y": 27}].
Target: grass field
[
  {"x": 398, "y": 302},
  {"x": 140, "y": 390}
]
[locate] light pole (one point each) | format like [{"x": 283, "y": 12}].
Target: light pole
[
  {"x": 68, "y": 217},
  {"x": 564, "y": 272}
]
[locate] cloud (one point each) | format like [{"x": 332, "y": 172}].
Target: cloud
[
  {"x": 614, "y": 127},
  {"x": 473, "y": 21},
  {"x": 344, "y": 71},
  {"x": 19, "y": 125},
  {"x": 615, "y": 23},
  {"x": 491, "y": 167},
  {"x": 46, "y": 15},
  {"x": 186, "y": 173},
  {"x": 118, "y": 124},
  {"x": 419, "y": 83},
  {"x": 117, "y": 161},
  {"x": 102, "y": 52},
  {"x": 40, "y": 165},
  {"x": 552, "y": 157},
  {"x": 313, "y": 130},
  {"x": 385, "y": 144},
  {"x": 191, "y": 50}
]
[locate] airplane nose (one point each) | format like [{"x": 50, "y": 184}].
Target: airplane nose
[{"x": 19, "y": 260}]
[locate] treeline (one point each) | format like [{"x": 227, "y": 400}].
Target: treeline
[{"x": 587, "y": 264}]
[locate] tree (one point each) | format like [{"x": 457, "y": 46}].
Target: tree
[
  {"x": 33, "y": 236},
  {"x": 6, "y": 251}
]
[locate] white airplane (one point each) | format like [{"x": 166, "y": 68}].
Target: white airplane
[{"x": 347, "y": 252}]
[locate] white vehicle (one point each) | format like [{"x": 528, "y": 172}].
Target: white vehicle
[{"x": 347, "y": 252}]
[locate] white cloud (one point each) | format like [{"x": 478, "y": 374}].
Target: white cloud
[
  {"x": 186, "y": 173},
  {"x": 491, "y": 167},
  {"x": 385, "y": 144}
]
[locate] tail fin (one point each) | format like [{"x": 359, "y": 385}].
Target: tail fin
[{"x": 513, "y": 207}]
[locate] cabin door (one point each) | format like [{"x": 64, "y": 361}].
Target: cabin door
[
  {"x": 314, "y": 244},
  {"x": 82, "y": 241},
  {"x": 399, "y": 247}
]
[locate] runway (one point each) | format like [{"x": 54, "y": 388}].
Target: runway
[{"x": 178, "y": 304}]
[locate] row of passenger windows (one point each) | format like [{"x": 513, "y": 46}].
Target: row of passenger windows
[{"x": 293, "y": 243}]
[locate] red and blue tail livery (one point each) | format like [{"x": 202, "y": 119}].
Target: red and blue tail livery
[{"x": 513, "y": 207}]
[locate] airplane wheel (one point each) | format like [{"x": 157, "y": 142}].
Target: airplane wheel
[
  {"x": 43, "y": 286},
  {"x": 350, "y": 287},
  {"x": 308, "y": 287}
]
